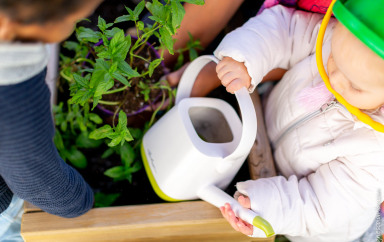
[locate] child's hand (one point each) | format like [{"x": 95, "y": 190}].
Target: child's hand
[
  {"x": 236, "y": 223},
  {"x": 233, "y": 74}
]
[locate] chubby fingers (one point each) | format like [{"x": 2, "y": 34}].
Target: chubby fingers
[
  {"x": 244, "y": 201},
  {"x": 236, "y": 223},
  {"x": 233, "y": 74},
  {"x": 235, "y": 85}
]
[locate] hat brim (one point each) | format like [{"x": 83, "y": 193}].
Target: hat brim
[{"x": 359, "y": 29}]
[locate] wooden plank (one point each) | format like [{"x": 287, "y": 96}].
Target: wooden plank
[
  {"x": 185, "y": 221},
  {"x": 29, "y": 208},
  {"x": 260, "y": 159}
]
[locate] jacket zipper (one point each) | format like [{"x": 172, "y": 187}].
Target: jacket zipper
[{"x": 324, "y": 108}]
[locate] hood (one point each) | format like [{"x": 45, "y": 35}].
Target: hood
[{"x": 20, "y": 62}]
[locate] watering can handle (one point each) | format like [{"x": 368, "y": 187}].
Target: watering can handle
[
  {"x": 245, "y": 103},
  {"x": 219, "y": 198}
]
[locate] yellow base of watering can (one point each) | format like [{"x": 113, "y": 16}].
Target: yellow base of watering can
[{"x": 196, "y": 148}]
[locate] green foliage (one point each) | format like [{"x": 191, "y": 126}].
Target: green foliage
[
  {"x": 103, "y": 65},
  {"x": 105, "y": 200},
  {"x": 73, "y": 126},
  {"x": 118, "y": 134},
  {"x": 192, "y": 47},
  {"x": 129, "y": 154}
]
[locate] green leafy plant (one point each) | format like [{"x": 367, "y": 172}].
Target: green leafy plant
[
  {"x": 119, "y": 73},
  {"x": 193, "y": 45},
  {"x": 74, "y": 125}
]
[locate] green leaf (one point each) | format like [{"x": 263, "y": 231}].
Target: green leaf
[
  {"x": 122, "y": 124},
  {"x": 119, "y": 53},
  {"x": 95, "y": 102},
  {"x": 128, "y": 177},
  {"x": 58, "y": 140},
  {"x": 113, "y": 68},
  {"x": 193, "y": 54},
  {"x": 180, "y": 61},
  {"x": 197, "y": 2},
  {"x": 117, "y": 39},
  {"x": 157, "y": 10},
  {"x": 107, "y": 153},
  {"x": 63, "y": 126},
  {"x": 127, "y": 135},
  {"x": 136, "y": 167},
  {"x": 132, "y": 14},
  {"x": 178, "y": 13},
  {"x": 111, "y": 32},
  {"x": 120, "y": 78},
  {"x": 102, "y": 24},
  {"x": 104, "y": 85},
  {"x": 71, "y": 45},
  {"x": 87, "y": 34},
  {"x": 95, "y": 118},
  {"x": 166, "y": 39},
  {"x": 98, "y": 75},
  {"x": 115, "y": 172},
  {"x": 81, "y": 97},
  {"x": 153, "y": 66},
  {"x": 127, "y": 69},
  {"x": 80, "y": 122},
  {"x": 102, "y": 132},
  {"x": 105, "y": 54},
  {"x": 138, "y": 9},
  {"x": 81, "y": 81},
  {"x": 127, "y": 154},
  {"x": 124, "y": 18},
  {"x": 140, "y": 25},
  {"x": 76, "y": 157},
  {"x": 157, "y": 19},
  {"x": 105, "y": 200},
  {"x": 115, "y": 141},
  {"x": 83, "y": 141},
  {"x": 136, "y": 133}
]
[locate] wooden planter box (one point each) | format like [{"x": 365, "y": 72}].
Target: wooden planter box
[{"x": 183, "y": 221}]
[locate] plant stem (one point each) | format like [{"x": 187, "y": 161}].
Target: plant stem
[
  {"x": 65, "y": 76},
  {"x": 86, "y": 60},
  {"x": 116, "y": 90},
  {"x": 108, "y": 102},
  {"x": 140, "y": 57},
  {"x": 156, "y": 111}
]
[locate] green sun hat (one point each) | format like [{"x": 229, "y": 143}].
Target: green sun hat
[{"x": 365, "y": 19}]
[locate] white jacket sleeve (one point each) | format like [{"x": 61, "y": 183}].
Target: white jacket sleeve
[
  {"x": 277, "y": 38},
  {"x": 337, "y": 193}
]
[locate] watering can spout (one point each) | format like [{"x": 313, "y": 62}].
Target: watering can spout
[{"x": 218, "y": 198}]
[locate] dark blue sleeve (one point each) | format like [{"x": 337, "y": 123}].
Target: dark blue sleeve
[{"x": 29, "y": 162}]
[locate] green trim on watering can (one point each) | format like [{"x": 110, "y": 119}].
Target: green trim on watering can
[
  {"x": 152, "y": 180},
  {"x": 365, "y": 19},
  {"x": 264, "y": 225}
]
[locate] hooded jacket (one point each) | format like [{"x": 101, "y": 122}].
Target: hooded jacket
[{"x": 331, "y": 165}]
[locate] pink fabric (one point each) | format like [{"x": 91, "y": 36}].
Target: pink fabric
[
  {"x": 314, "y": 97},
  {"x": 316, "y": 6}
]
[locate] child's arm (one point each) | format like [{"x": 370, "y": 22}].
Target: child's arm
[
  {"x": 336, "y": 195},
  {"x": 29, "y": 162},
  {"x": 277, "y": 38}
]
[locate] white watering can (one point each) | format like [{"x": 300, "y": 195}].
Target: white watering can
[{"x": 197, "y": 147}]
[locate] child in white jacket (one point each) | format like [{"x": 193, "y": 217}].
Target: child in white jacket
[{"x": 331, "y": 164}]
